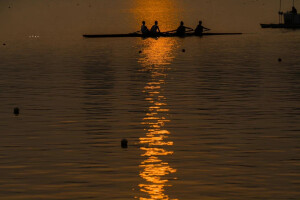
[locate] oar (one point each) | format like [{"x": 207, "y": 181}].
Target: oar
[
  {"x": 176, "y": 30},
  {"x": 135, "y": 32},
  {"x": 168, "y": 32},
  {"x": 190, "y": 31}
]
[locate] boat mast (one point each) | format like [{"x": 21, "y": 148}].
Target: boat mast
[{"x": 280, "y": 13}]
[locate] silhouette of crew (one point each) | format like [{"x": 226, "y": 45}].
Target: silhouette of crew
[
  {"x": 200, "y": 29},
  {"x": 155, "y": 29},
  {"x": 144, "y": 28},
  {"x": 181, "y": 30}
]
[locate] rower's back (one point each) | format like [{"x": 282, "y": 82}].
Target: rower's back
[
  {"x": 144, "y": 28},
  {"x": 199, "y": 29},
  {"x": 155, "y": 28},
  {"x": 181, "y": 30}
]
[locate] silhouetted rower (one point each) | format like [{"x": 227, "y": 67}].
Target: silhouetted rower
[
  {"x": 155, "y": 29},
  {"x": 144, "y": 29},
  {"x": 181, "y": 30},
  {"x": 200, "y": 29}
]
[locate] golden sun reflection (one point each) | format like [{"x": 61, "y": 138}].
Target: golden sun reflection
[
  {"x": 154, "y": 142},
  {"x": 155, "y": 59},
  {"x": 166, "y": 12}
]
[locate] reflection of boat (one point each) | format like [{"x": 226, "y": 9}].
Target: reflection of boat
[
  {"x": 160, "y": 35},
  {"x": 291, "y": 19}
]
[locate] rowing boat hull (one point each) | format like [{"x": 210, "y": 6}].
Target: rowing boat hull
[{"x": 161, "y": 35}]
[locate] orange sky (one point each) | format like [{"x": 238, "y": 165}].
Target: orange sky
[{"x": 50, "y": 17}]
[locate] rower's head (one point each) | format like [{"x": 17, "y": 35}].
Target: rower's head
[
  {"x": 181, "y": 23},
  {"x": 200, "y": 22},
  {"x": 143, "y": 22},
  {"x": 156, "y": 22}
]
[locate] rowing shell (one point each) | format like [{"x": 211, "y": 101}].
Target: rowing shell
[{"x": 161, "y": 35}]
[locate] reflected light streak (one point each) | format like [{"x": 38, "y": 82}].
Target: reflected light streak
[
  {"x": 155, "y": 60},
  {"x": 166, "y": 12}
]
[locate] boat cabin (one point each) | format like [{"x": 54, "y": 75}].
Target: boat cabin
[{"x": 291, "y": 18}]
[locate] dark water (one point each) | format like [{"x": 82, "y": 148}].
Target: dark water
[{"x": 219, "y": 121}]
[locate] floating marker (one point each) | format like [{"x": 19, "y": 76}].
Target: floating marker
[
  {"x": 16, "y": 111},
  {"x": 4, "y": 44},
  {"x": 124, "y": 143},
  {"x": 183, "y": 50},
  {"x": 279, "y": 59},
  {"x": 140, "y": 51}
]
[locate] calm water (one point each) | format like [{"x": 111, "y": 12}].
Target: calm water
[{"x": 218, "y": 122}]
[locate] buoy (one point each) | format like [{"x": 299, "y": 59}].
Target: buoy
[
  {"x": 16, "y": 111},
  {"x": 124, "y": 143},
  {"x": 279, "y": 59},
  {"x": 4, "y": 44},
  {"x": 183, "y": 50},
  {"x": 140, "y": 51}
]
